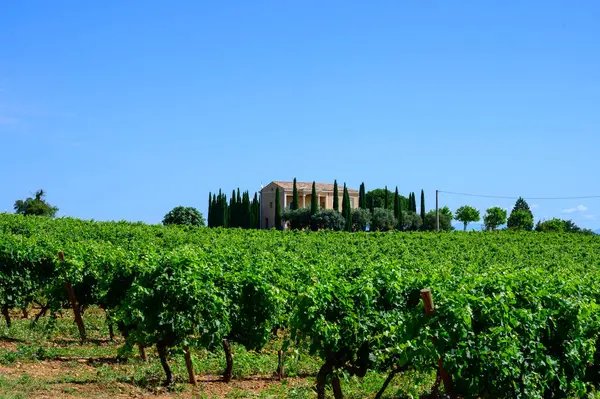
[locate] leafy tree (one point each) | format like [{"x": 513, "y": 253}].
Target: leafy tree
[
  {"x": 314, "y": 206},
  {"x": 347, "y": 209},
  {"x": 361, "y": 218},
  {"x": 521, "y": 217},
  {"x": 520, "y": 220},
  {"x": 494, "y": 217},
  {"x": 447, "y": 212},
  {"x": 295, "y": 204},
  {"x": 299, "y": 219},
  {"x": 188, "y": 216},
  {"x": 560, "y": 226},
  {"x": 328, "y": 219},
  {"x": 396, "y": 203},
  {"x": 467, "y": 214},
  {"x": 209, "y": 218},
  {"x": 277, "y": 209},
  {"x": 386, "y": 200},
  {"x": 35, "y": 206},
  {"x": 430, "y": 220},
  {"x": 376, "y": 199},
  {"x": 422, "y": 205},
  {"x": 411, "y": 221},
  {"x": 382, "y": 220},
  {"x": 336, "y": 196},
  {"x": 362, "y": 198}
]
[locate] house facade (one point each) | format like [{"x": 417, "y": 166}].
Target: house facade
[{"x": 286, "y": 188}]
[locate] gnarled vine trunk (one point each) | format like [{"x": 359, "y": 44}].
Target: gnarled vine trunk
[
  {"x": 6, "y": 315},
  {"x": 228, "y": 360},
  {"x": 161, "y": 348}
]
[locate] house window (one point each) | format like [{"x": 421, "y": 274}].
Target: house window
[
  {"x": 266, "y": 223},
  {"x": 271, "y": 204}
]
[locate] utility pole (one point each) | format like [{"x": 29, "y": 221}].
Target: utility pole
[{"x": 437, "y": 210}]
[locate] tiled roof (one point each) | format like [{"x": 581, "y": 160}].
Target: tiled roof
[{"x": 307, "y": 186}]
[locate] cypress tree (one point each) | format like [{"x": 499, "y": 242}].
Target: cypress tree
[
  {"x": 314, "y": 206},
  {"x": 385, "y": 199},
  {"x": 336, "y": 197},
  {"x": 348, "y": 210},
  {"x": 247, "y": 210},
  {"x": 255, "y": 212},
  {"x": 422, "y": 205},
  {"x": 277, "y": 210},
  {"x": 314, "y": 203},
  {"x": 208, "y": 219},
  {"x": 396, "y": 203},
  {"x": 232, "y": 208},
  {"x": 295, "y": 196},
  {"x": 400, "y": 219},
  {"x": 344, "y": 201},
  {"x": 362, "y": 198}
]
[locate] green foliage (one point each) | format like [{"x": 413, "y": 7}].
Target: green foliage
[
  {"x": 361, "y": 219},
  {"x": 411, "y": 221},
  {"x": 430, "y": 221},
  {"x": 336, "y": 197},
  {"x": 362, "y": 198},
  {"x": 278, "y": 224},
  {"x": 521, "y": 217},
  {"x": 328, "y": 219},
  {"x": 35, "y": 206},
  {"x": 467, "y": 214},
  {"x": 422, "y": 205},
  {"x": 494, "y": 217},
  {"x": 347, "y": 210},
  {"x": 560, "y": 226},
  {"x": 295, "y": 204},
  {"x": 517, "y": 315},
  {"x": 377, "y": 199},
  {"x": 187, "y": 216},
  {"x": 520, "y": 220},
  {"x": 299, "y": 219},
  {"x": 382, "y": 220}
]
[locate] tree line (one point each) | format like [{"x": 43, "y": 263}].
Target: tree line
[{"x": 378, "y": 210}]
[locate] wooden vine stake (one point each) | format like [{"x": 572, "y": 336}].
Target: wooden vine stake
[
  {"x": 429, "y": 312},
  {"x": 189, "y": 365},
  {"x": 280, "y": 360},
  {"x": 74, "y": 304},
  {"x": 228, "y": 360}
]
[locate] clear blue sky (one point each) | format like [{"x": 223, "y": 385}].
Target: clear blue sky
[{"x": 123, "y": 110}]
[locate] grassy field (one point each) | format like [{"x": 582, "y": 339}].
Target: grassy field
[{"x": 44, "y": 362}]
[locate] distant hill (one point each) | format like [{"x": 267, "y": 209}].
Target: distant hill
[{"x": 597, "y": 231}]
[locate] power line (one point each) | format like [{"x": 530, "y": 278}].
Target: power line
[{"x": 529, "y": 198}]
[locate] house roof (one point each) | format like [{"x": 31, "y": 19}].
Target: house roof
[{"x": 307, "y": 186}]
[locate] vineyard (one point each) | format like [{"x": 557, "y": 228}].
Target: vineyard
[{"x": 495, "y": 315}]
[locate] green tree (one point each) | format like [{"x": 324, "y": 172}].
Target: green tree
[
  {"x": 277, "y": 209},
  {"x": 494, "y": 217},
  {"x": 295, "y": 204},
  {"x": 209, "y": 218},
  {"x": 521, "y": 217},
  {"x": 430, "y": 220},
  {"x": 386, "y": 199},
  {"x": 362, "y": 198},
  {"x": 347, "y": 209},
  {"x": 35, "y": 206},
  {"x": 299, "y": 219},
  {"x": 382, "y": 220},
  {"x": 422, "y": 204},
  {"x": 396, "y": 203},
  {"x": 376, "y": 199},
  {"x": 336, "y": 197},
  {"x": 467, "y": 214},
  {"x": 187, "y": 216},
  {"x": 328, "y": 219},
  {"x": 361, "y": 218},
  {"x": 411, "y": 221},
  {"x": 314, "y": 206}
]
